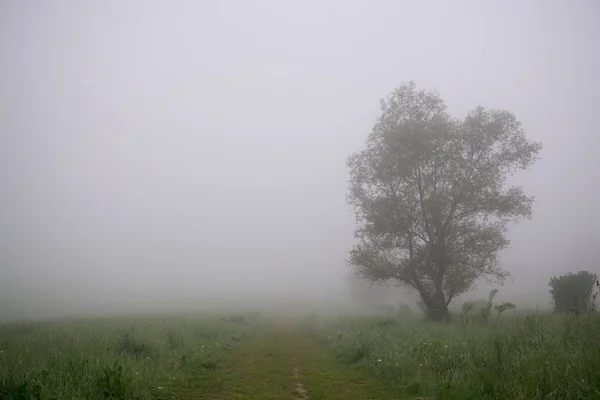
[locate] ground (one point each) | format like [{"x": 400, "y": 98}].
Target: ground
[
  {"x": 194, "y": 357},
  {"x": 281, "y": 361}
]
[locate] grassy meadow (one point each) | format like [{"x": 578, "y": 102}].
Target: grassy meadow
[
  {"x": 538, "y": 356},
  {"x": 531, "y": 357},
  {"x": 112, "y": 358}
]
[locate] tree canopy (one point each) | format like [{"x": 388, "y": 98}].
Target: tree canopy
[
  {"x": 430, "y": 195},
  {"x": 573, "y": 292}
]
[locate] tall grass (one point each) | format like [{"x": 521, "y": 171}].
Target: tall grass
[
  {"x": 535, "y": 357},
  {"x": 138, "y": 358}
]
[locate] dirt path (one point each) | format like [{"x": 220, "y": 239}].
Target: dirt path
[{"x": 284, "y": 364}]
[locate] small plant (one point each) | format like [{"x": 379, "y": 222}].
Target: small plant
[
  {"x": 128, "y": 343},
  {"x": 595, "y": 294},
  {"x": 209, "y": 365},
  {"x": 480, "y": 310},
  {"x": 357, "y": 351},
  {"x": 485, "y": 313},
  {"x": 175, "y": 340},
  {"x": 204, "y": 332},
  {"x": 113, "y": 384},
  {"x": 13, "y": 390},
  {"x": 500, "y": 308},
  {"x": 235, "y": 320},
  {"x": 67, "y": 359},
  {"x": 387, "y": 323},
  {"x": 19, "y": 329}
]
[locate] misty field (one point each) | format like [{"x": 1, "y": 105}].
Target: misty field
[
  {"x": 316, "y": 357},
  {"x": 116, "y": 358},
  {"x": 531, "y": 357}
]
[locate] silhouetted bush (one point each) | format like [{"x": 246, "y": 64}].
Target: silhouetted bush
[{"x": 574, "y": 293}]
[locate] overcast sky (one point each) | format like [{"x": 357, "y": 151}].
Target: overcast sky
[{"x": 189, "y": 151}]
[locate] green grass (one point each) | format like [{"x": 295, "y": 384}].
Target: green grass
[
  {"x": 537, "y": 357},
  {"x": 260, "y": 368},
  {"x": 283, "y": 362},
  {"x": 135, "y": 358},
  {"x": 211, "y": 358}
]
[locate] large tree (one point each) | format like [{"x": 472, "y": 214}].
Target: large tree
[{"x": 430, "y": 196}]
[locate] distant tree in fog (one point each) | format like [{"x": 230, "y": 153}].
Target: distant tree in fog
[
  {"x": 430, "y": 196},
  {"x": 574, "y": 292}
]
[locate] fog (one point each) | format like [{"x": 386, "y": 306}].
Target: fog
[{"x": 192, "y": 154}]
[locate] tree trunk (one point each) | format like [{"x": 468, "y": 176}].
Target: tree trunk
[
  {"x": 439, "y": 314},
  {"x": 438, "y": 310}
]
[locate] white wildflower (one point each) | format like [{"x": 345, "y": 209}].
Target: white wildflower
[{"x": 379, "y": 360}]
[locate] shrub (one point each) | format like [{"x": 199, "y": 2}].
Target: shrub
[
  {"x": 112, "y": 382},
  {"x": 175, "y": 340},
  {"x": 12, "y": 389},
  {"x": 574, "y": 293},
  {"x": 504, "y": 307},
  {"x": 479, "y": 310}
]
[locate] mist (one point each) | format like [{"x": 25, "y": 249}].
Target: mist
[{"x": 192, "y": 155}]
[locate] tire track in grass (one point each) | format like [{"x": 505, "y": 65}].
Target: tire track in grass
[
  {"x": 259, "y": 369},
  {"x": 281, "y": 363},
  {"x": 326, "y": 378},
  {"x": 301, "y": 393}
]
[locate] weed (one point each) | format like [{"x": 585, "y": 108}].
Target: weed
[
  {"x": 359, "y": 349},
  {"x": 12, "y": 389},
  {"x": 209, "y": 365},
  {"x": 113, "y": 384},
  {"x": 175, "y": 340},
  {"x": 539, "y": 356},
  {"x": 67, "y": 359},
  {"x": 129, "y": 344}
]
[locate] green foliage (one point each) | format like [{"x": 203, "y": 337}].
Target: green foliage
[
  {"x": 480, "y": 310},
  {"x": 539, "y": 357},
  {"x": 129, "y": 344},
  {"x": 595, "y": 294},
  {"x": 10, "y": 389},
  {"x": 359, "y": 349},
  {"x": 175, "y": 340},
  {"x": 113, "y": 383},
  {"x": 430, "y": 197},
  {"x": 500, "y": 308},
  {"x": 20, "y": 329},
  {"x": 69, "y": 359},
  {"x": 574, "y": 293}
]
